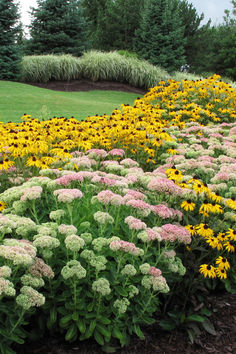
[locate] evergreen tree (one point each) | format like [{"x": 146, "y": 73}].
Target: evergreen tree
[
  {"x": 58, "y": 26},
  {"x": 160, "y": 38},
  {"x": 10, "y": 56},
  {"x": 203, "y": 56},
  {"x": 216, "y": 48},
  {"x": 124, "y": 19},
  {"x": 93, "y": 10},
  {"x": 191, "y": 22},
  {"x": 225, "y": 47},
  {"x": 112, "y": 23}
]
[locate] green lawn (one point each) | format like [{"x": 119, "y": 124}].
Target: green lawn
[{"x": 17, "y": 99}]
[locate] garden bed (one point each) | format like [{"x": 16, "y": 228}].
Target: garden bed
[{"x": 152, "y": 218}]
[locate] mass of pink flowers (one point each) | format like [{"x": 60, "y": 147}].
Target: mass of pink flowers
[
  {"x": 135, "y": 224},
  {"x": 124, "y": 246},
  {"x": 171, "y": 232},
  {"x": 67, "y": 195}
]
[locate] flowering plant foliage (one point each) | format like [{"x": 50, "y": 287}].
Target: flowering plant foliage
[{"x": 108, "y": 244}]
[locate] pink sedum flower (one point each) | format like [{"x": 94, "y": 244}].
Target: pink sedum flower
[
  {"x": 67, "y": 195},
  {"x": 116, "y": 152},
  {"x": 173, "y": 233}
]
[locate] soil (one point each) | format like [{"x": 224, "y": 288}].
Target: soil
[
  {"x": 88, "y": 85},
  {"x": 222, "y": 305}
]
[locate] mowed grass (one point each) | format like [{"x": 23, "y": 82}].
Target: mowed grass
[{"x": 17, "y": 99}]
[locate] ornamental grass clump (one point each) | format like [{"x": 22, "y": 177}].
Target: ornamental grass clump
[{"x": 92, "y": 65}]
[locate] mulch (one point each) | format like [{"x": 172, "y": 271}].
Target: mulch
[
  {"x": 88, "y": 85},
  {"x": 222, "y": 305}
]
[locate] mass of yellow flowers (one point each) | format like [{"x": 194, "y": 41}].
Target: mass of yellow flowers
[{"x": 139, "y": 129}]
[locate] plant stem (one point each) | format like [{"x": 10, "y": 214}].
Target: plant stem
[
  {"x": 75, "y": 296},
  {"x": 18, "y": 322},
  {"x": 117, "y": 218},
  {"x": 34, "y": 212},
  {"x": 69, "y": 208}
]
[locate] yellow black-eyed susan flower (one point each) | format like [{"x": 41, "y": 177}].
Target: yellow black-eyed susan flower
[
  {"x": 191, "y": 229},
  {"x": 188, "y": 205},
  {"x": 207, "y": 270},
  {"x": 204, "y": 230},
  {"x": 199, "y": 187},
  {"x": 213, "y": 242},
  {"x": 216, "y": 208},
  {"x": 174, "y": 174},
  {"x": 231, "y": 203},
  {"x": 6, "y": 163},
  {"x": 221, "y": 273},
  {"x": 222, "y": 262},
  {"x": 222, "y": 236},
  {"x": 229, "y": 246},
  {"x": 232, "y": 234},
  {"x": 205, "y": 207},
  {"x": 2, "y": 206},
  {"x": 215, "y": 197}
]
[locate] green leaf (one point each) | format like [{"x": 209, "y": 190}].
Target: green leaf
[
  {"x": 65, "y": 320},
  {"x": 167, "y": 324},
  {"x": 71, "y": 332},
  {"x": 89, "y": 316},
  {"x": 91, "y": 328},
  {"x": 148, "y": 321},
  {"x": 106, "y": 348},
  {"x": 81, "y": 325},
  {"x": 209, "y": 327},
  {"x": 205, "y": 311},
  {"x": 16, "y": 339},
  {"x": 121, "y": 291},
  {"x": 4, "y": 349},
  {"x": 4, "y": 333},
  {"x": 195, "y": 327},
  {"x": 98, "y": 337},
  {"x": 117, "y": 333},
  {"x": 190, "y": 335},
  {"x": 90, "y": 307},
  {"x": 75, "y": 316},
  {"x": 175, "y": 315},
  {"x": 103, "y": 330},
  {"x": 104, "y": 320},
  {"x": 52, "y": 317},
  {"x": 137, "y": 330},
  {"x": 196, "y": 318}
]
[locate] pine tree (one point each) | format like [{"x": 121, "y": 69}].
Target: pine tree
[
  {"x": 10, "y": 55},
  {"x": 216, "y": 48},
  {"x": 225, "y": 48},
  {"x": 58, "y": 26},
  {"x": 160, "y": 37},
  {"x": 112, "y": 23},
  {"x": 124, "y": 19},
  {"x": 191, "y": 22}
]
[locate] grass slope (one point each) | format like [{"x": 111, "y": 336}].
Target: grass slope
[{"x": 17, "y": 99}]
